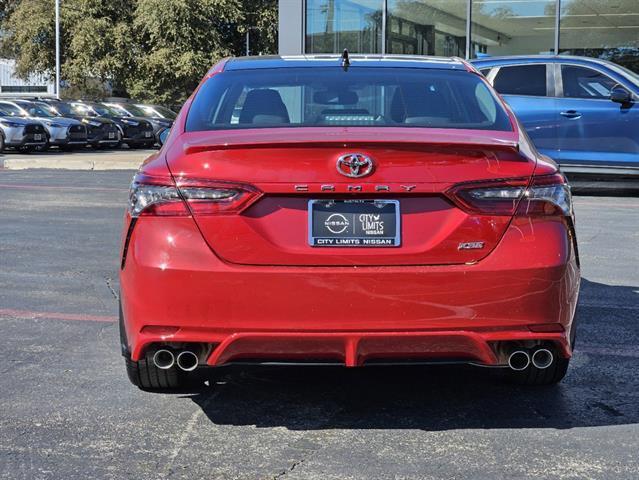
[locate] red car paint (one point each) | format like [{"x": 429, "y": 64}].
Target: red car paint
[{"x": 246, "y": 281}]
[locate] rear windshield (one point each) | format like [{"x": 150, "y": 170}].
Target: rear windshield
[{"x": 365, "y": 96}]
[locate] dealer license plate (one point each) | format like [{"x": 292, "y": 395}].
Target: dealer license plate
[{"x": 354, "y": 223}]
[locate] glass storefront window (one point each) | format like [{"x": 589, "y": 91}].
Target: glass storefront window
[
  {"x": 426, "y": 27},
  {"x": 333, "y": 25},
  {"x": 604, "y": 29},
  {"x": 607, "y": 29},
  {"x": 506, "y": 27}
]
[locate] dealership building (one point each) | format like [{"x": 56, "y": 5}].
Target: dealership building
[
  {"x": 607, "y": 29},
  {"x": 11, "y": 85}
]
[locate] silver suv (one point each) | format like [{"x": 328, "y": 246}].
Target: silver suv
[{"x": 23, "y": 134}]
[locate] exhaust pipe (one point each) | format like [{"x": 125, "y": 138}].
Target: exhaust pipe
[
  {"x": 518, "y": 360},
  {"x": 163, "y": 359},
  {"x": 542, "y": 358},
  {"x": 187, "y": 361}
]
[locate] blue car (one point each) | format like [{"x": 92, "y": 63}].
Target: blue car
[{"x": 582, "y": 112}]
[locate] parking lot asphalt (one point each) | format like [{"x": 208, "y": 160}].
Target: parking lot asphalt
[{"x": 67, "y": 410}]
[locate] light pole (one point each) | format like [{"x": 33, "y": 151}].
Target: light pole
[
  {"x": 248, "y": 30},
  {"x": 57, "y": 49}
]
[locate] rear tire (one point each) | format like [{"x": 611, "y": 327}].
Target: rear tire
[
  {"x": 548, "y": 376},
  {"x": 1, "y": 142},
  {"x": 146, "y": 376}
]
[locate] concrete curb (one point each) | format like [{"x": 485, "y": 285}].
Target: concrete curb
[{"x": 121, "y": 160}]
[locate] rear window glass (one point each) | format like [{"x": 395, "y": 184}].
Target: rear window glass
[
  {"x": 365, "y": 96},
  {"x": 521, "y": 80}
]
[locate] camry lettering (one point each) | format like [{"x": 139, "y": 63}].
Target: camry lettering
[{"x": 353, "y": 188}]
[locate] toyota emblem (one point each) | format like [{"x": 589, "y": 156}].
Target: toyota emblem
[{"x": 354, "y": 165}]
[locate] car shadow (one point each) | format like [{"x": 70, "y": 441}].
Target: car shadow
[{"x": 601, "y": 388}]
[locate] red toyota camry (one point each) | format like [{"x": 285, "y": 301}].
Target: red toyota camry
[{"x": 353, "y": 211}]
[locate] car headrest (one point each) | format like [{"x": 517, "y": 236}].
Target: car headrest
[
  {"x": 412, "y": 101},
  {"x": 262, "y": 103}
]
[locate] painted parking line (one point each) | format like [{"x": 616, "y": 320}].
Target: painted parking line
[
  {"x": 81, "y": 317},
  {"x": 62, "y": 187}
]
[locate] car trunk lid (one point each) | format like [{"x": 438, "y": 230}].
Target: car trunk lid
[{"x": 294, "y": 167}]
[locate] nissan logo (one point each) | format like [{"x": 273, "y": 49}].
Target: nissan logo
[
  {"x": 336, "y": 223},
  {"x": 354, "y": 165}
]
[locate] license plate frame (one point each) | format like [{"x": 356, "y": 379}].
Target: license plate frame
[{"x": 355, "y": 231}]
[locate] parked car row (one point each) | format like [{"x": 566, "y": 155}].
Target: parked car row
[{"x": 37, "y": 125}]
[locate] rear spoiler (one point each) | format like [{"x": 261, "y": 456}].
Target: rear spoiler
[{"x": 196, "y": 142}]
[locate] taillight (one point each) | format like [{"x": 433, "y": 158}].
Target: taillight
[
  {"x": 547, "y": 195},
  {"x": 494, "y": 198},
  {"x": 151, "y": 195},
  {"x": 544, "y": 195},
  {"x": 159, "y": 196}
]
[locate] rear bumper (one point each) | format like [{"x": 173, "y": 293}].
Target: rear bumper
[
  {"x": 588, "y": 179},
  {"x": 354, "y": 349},
  {"x": 174, "y": 289},
  {"x": 601, "y": 171}
]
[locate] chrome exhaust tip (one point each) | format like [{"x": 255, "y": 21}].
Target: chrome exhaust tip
[
  {"x": 519, "y": 360},
  {"x": 187, "y": 361},
  {"x": 163, "y": 359},
  {"x": 542, "y": 358}
]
